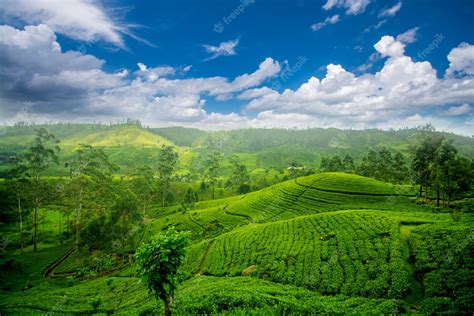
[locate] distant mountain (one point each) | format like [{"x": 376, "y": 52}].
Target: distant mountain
[{"x": 130, "y": 144}]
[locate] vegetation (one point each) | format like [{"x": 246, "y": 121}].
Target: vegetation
[
  {"x": 158, "y": 262},
  {"x": 319, "y": 226}
]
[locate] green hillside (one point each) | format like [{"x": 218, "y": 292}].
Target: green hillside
[{"x": 326, "y": 243}]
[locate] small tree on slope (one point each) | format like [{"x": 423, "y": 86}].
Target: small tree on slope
[{"x": 158, "y": 262}]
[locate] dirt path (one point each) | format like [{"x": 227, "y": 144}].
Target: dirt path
[
  {"x": 204, "y": 257},
  {"x": 416, "y": 290},
  {"x": 49, "y": 269}
]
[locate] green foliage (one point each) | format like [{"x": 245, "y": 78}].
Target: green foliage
[
  {"x": 166, "y": 164},
  {"x": 158, "y": 262},
  {"x": 383, "y": 165}
]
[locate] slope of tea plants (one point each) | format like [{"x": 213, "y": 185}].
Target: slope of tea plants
[{"x": 329, "y": 243}]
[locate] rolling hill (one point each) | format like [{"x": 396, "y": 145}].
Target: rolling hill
[{"x": 326, "y": 243}]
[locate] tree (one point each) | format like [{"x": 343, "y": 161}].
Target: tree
[
  {"x": 240, "y": 176},
  {"x": 190, "y": 197},
  {"x": 384, "y": 165},
  {"x": 401, "y": 171},
  {"x": 423, "y": 160},
  {"x": 19, "y": 184},
  {"x": 348, "y": 162},
  {"x": 167, "y": 160},
  {"x": 158, "y": 262},
  {"x": 90, "y": 173},
  {"x": 38, "y": 158},
  {"x": 445, "y": 169},
  {"x": 144, "y": 185},
  {"x": 212, "y": 166},
  {"x": 124, "y": 216}
]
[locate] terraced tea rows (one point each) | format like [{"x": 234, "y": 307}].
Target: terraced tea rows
[
  {"x": 303, "y": 196},
  {"x": 353, "y": 253}
]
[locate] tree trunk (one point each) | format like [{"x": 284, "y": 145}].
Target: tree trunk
[
  {"x": 168, "y": 305},
  {"x": 78, "y": 218},
  {"x": 35, "y": 227},
  {"x": 21, "y": 224},
  {"x": 36, "y": 206},
  {"x": 437, "y": 197},
  {"x": 421, "y": 191}
]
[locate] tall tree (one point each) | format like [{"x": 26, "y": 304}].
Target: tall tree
[
  {"x": 423, "y": 160},
  {"x": 240, "y": 176},
  {"x": 144, "y": 185},
  {"x": 212, "y": 167},
  {"x": 20, "y": 187},
  {"x": 348, "y": 162},
  {"x": 167, "y": 160},
  {"x": 445, "y": 169},
  {"x": 124, "y": 216},
  {"x": 158, "y": 262},
  {"x": 90, "y": 173},
  {"x": 38, "y": 158}
]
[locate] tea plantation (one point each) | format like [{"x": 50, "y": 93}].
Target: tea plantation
[{"x": 329, "y": 243}]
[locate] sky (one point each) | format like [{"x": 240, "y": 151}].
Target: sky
[{"x": 220, "y": 65}]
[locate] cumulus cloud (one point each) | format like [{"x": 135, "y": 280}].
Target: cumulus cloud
[
  {"x": 461, "y": 60},
  {"x": 223, "y": 49},
  {"x": 389, "y": 46},
  {"x": 352, "y": 7},
  {"x": 82, "y": 20},
  {"x": 74, "y": 86},
  {"x": 34, "y": 67},
  {"x": 402, "y": 89},
  {"x": 391, "y": 11},
  {"x": 329, "y": 20}
]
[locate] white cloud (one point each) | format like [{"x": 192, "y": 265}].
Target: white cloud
[
  {"x": 392, "y": 97},
  {"x": 224, "y": 49},
  {"x": 458, "y": 110},
  {"x": 461, "y": 60},
  {"x": 34, "y": 67},
  {"x": 73, "y": 86},
  {"x": 255, "y": 93},
  {"x": 83, "y": 20},
  {"x": 409, "y": 36},
  {"x": 329, "y": 20},
  {"x": 352, "y": 7},
  {"x": 391, "y": 11},
  {"x": 153, "y": 74},
  {"x": 388, "y": 46}
]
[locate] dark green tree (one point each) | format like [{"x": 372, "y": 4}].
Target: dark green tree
[
  {"x": 144, "y": 185},
  {"x": 190, "y": 197},
  {"x": 124, "y": 219},
  {"x": 90, "y": 178},
  {"x": 348, "y": 163},
  {"x": 158, "y": 262},
  {"x": 36, "y": 160},
  {"x": 211, "y": 170},
  {"x": 240, "y": 177},
  {"x": 167, "y": 160}
]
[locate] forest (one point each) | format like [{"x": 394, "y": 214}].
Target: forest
[{"x": 127, "y": 219}]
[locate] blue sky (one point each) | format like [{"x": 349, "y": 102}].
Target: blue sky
[{"x": 233, "y": 64}]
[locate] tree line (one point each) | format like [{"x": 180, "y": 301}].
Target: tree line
[{"x": 102, "y": 210}]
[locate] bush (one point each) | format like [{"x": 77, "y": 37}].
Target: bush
[{"x": 96, "y": 302}]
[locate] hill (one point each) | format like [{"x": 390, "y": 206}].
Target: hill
[
  {"x": 326, "y": 243},
  {"x": 257, "y": 148}
]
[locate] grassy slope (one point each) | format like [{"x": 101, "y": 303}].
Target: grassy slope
[{"x": 361, "y": 240}]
